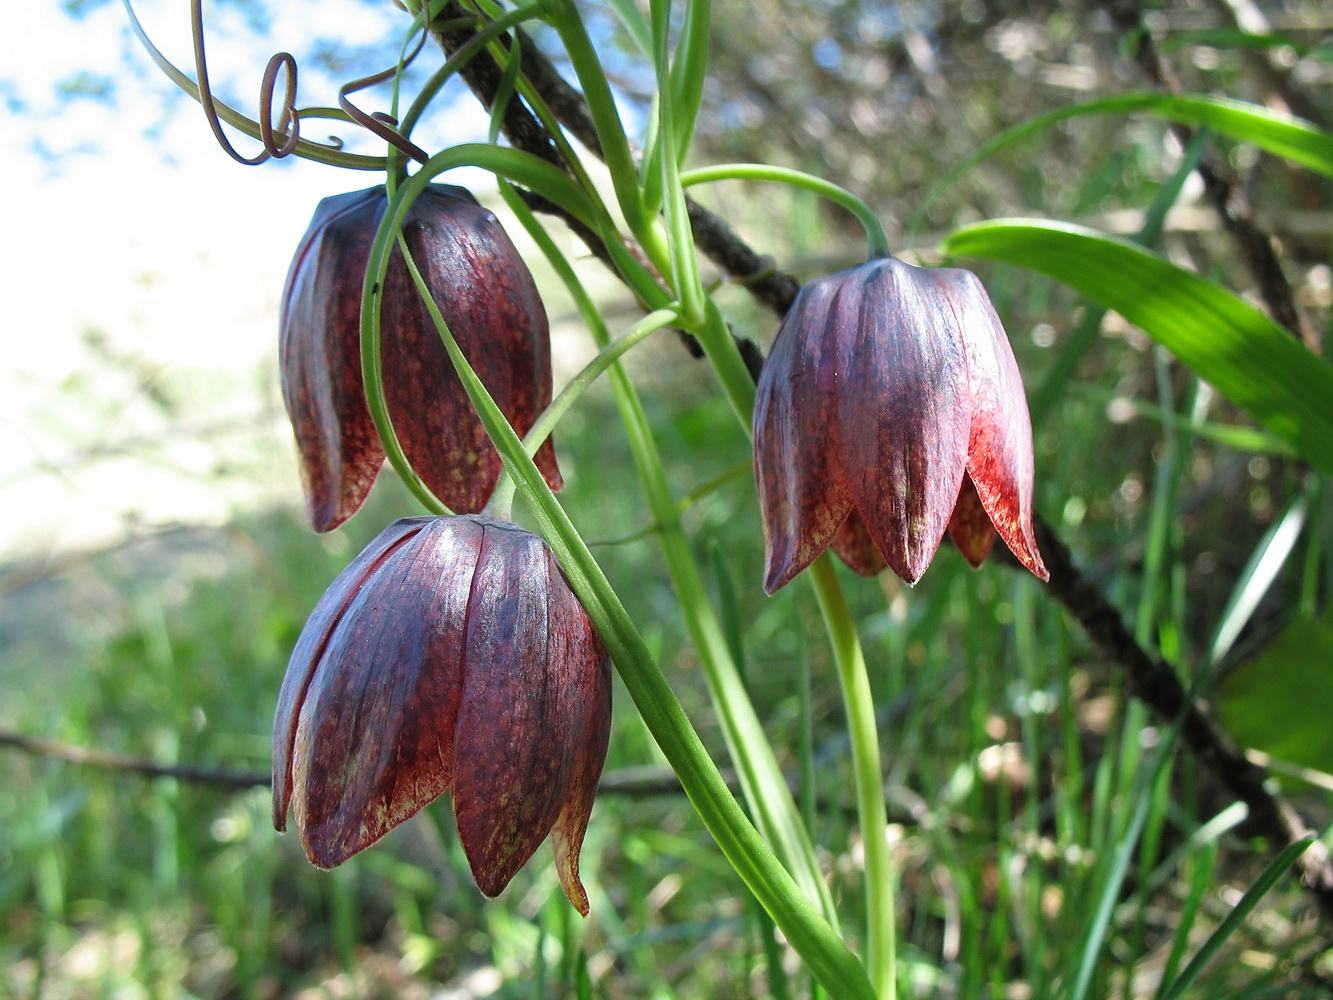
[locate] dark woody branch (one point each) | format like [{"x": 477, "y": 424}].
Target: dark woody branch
[{"x": 1151, "y": 680}]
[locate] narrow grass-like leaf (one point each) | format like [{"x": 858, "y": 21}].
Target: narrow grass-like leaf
[
  {"x": 1084, "y": 961},
  {"x": 1268, "y": 557},
  {"x": 1199, "y": 881},
  {"x": 1282, "y": 135},
  {"x": 1281, "y": 865},
  {"x": 1224, "y": 340}
]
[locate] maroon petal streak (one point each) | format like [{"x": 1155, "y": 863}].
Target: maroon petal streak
[
  {"x": 902, "y": 415},
  {"x": 582, "y": 667},
  {"x": 1000, "y": 460},
  {"x": 802, "y": 490},
  {"x": 490, "y": 302},
  {"x": 311, "y": 646},
  {"x": 373, "y": 744},
  {"x": 514, "y": 768},
  {"x": 320, "y": 358}
]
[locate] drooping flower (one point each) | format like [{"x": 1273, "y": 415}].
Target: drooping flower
[
  {"x": 487, "y": 297},
  {"x": 450, "y": 655},
  {"x": 890, "y": 410}
]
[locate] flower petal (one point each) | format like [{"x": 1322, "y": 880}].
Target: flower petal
[
  {"x": 582, "y": 667},
  {"x": 490, "y": 301},
  {"x": 999, "y": 458},
  {"x": 970, "y": 527},
  {"x": 855, "y": 547},
  {"x": 515, "y": 754},
  {"x": 802, "y": 489},
  {"x": 902, "y": 410},
  {"x": 320, "y": 357},
  {"x": 375, "y": 736},
  {"x": 311, "y": 646}
]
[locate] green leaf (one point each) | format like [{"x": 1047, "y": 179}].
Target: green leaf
[
  {"x": 1280, "y": 701},
  {"x": 1249, "y": 359},
  {"x": 1282, "y": 135},
  {"x": 1277, "y": 868}
]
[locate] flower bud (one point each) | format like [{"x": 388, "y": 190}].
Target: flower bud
[{"x": 488, "y": 298}]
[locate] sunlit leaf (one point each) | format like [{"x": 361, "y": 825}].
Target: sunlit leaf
[
  {"x": 1249, "y": 358},
  {"x": 1282, "y": 135},
  {"x": 1280, "y": 701}
]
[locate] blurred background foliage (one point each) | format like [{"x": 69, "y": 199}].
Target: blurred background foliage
[{"x": 1015, "y": 758}]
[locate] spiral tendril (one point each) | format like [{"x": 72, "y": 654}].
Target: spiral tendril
[
  {"x": 289, "y": 122},
  {"x": 384, "y": 126}
]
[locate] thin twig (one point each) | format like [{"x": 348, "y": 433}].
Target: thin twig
[
  {"x": 632, "y": 782},
  {"x": 110, "y": 761}
]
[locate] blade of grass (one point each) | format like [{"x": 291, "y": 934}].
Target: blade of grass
[
  {"x": 1277, "y": 868},
  {"x": 1112, "y": 875}
]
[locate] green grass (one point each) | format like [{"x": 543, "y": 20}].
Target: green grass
[{"x": 1038, "y": 849}]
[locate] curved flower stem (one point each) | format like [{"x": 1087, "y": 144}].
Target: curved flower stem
[
  {"x": 763, "y": 783},
  {"x": 576, "y": 386},
  {"x": 877, "y": 241},
  {"x": 808, "y": 932},
  {"x": 881, "y": 934}
]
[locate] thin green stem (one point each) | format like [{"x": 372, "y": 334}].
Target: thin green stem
[
  {"x": 685, "y": 278},
  {"x": 881, "y": 934},
  {"x": 688, "y": 71},
  {"x": 720, "y": 347},
  {"x": 876, "y": 240},
  {"x": 576, "y": 386},
  {"x": 808, "y": 932},
  {"x": 564, "y": 17},
  {"x": 606, "y": 357}
]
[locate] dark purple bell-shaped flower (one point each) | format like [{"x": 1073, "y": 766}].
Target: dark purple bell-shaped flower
[
  {"x": 889, "y": 411},
  {"x": 450, "y": 655},
  {"x": 490, "y": 302}
]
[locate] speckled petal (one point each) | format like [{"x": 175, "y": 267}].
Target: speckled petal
[
  {"x": 492, "y": 306},
  {"x": 581, "y": 665},
  {"x": 491, "y": 303},
  {"x": 802, "y": 490},
  {"x": 311, "y": 646},
  {"x": 521, "y": 719},
  {"x": 999, "y": 457},
  {"x": 902, "y": 415},
  {"x": 374, "y": 739},
  {"x": 320, "y": 358}
]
